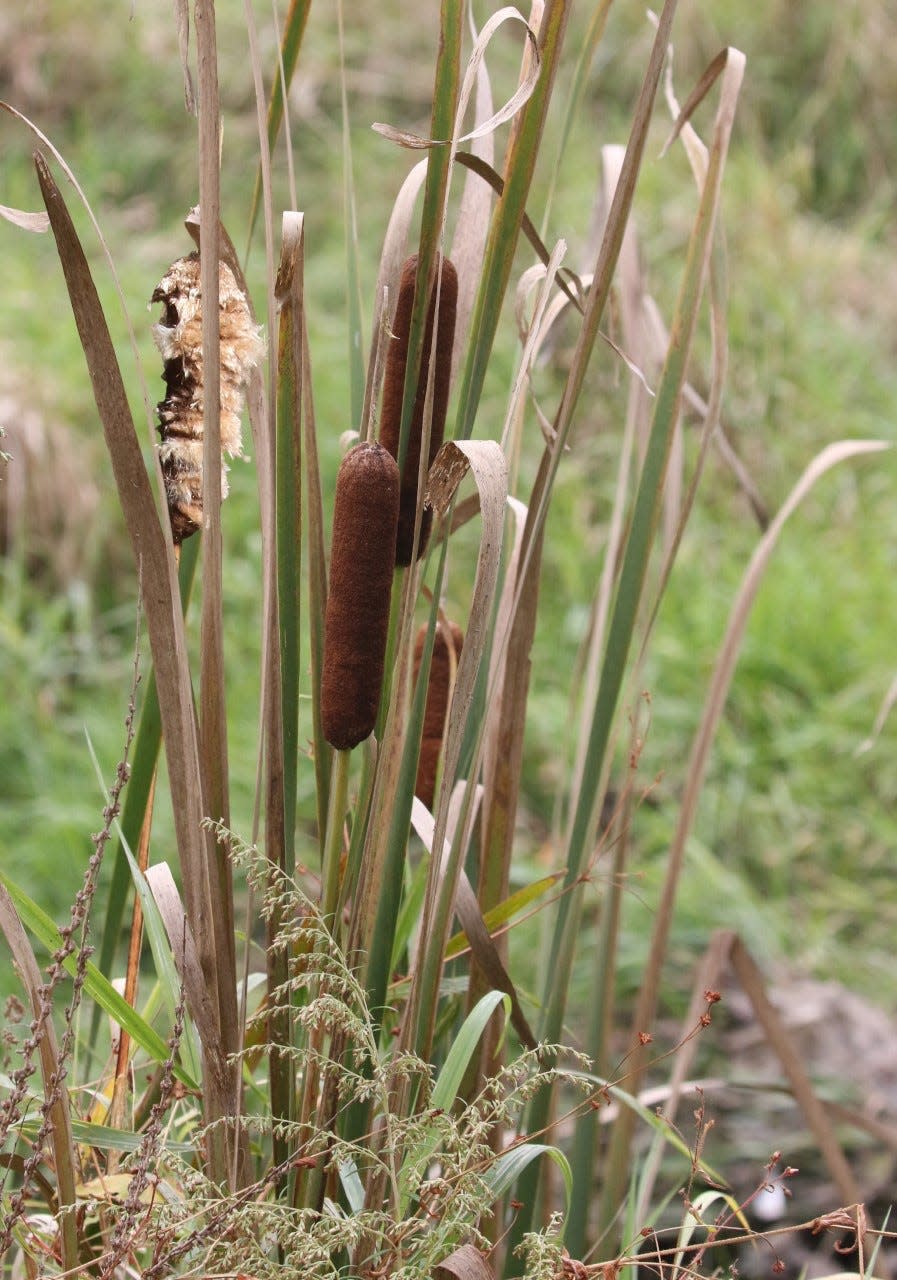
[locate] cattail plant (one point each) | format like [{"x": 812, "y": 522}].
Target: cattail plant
[
  {"x": 370, "y": 1102},
  {"x": 178, "y": 335},
  {"x": 365, "y": 517},
  {"x": 447, "y": 646},
  {"x": 393, "y": 390}
]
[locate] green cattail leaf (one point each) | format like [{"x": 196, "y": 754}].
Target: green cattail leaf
[
  {"x": 379, "y": 898},
  {"x": 445, "y": 1091},
  {"x": 463, "y": 1047},
  {"x": 588, "y": 47},
  {"x": 313, "y": 507},
  {"x": 412, "y": 901},
  {"x": 161, "y": 951},
  {"x": 288, "y": 470},
  {"x": 144, "y": 758},
  {"x": 585, "y": 804},
  {"x": 352, "y": 1185},
  {"x": 442, "y": 122},
  {"x": 96, "y": 986},
  {"x": 104, "y": 1138},
  {"x": 508, "y": 215},
  {"x": 291, "y": 43}
]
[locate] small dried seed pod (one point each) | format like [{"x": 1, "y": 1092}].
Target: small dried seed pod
[
  {"x": 178, "y": 335},
  {"x": 393, "y": 386},
  {"x": 438, "y": 690},
  {"x": 365, "y": 517}
]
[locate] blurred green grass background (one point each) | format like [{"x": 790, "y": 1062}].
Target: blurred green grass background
[{"x": 795, "y": 837}]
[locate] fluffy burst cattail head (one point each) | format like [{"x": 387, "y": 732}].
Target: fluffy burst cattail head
[
  {"x": 393, "y": 386},
  {"x": 365, "y": 516},
  {"x": 447, "y": 644},
  {"x": 178, "y": 335}
]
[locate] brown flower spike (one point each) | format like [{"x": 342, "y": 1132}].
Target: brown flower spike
[
  {"x": 393, "y": 386},
  {"x": 438, "y": 691},
  {"x": 365, "y": 517},
  {"x": 178, "y": 335}
]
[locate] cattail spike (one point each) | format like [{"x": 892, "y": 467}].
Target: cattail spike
[
  {"x": 393, "y": 389},
  {"x": 178, "y": 335},
  {"x": 365, "y": 517},
  {"x": 438, "y": 690}
]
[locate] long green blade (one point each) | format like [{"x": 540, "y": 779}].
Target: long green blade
[{"x": 95, "y": 984}]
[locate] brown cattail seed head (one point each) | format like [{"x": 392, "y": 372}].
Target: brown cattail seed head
[
  {"x": 365, "y": 516},
  {"x": 438, "y": 691},
  {"x": 393, "y": 386},
  {"x": 178, "y": 336}
]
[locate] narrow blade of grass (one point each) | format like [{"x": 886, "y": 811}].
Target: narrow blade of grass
[{"x": 509, "y": 1167}]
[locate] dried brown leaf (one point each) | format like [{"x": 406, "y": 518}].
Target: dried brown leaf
[
  {"x": 37, "y": 222},
  {"x": 466, "y": 1263}
]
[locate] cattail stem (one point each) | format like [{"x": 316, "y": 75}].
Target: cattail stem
[
  {"x": 395, "y": 611},
  {"x": 333, "y": 841},
  {"x": 350, "y": 880}
]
